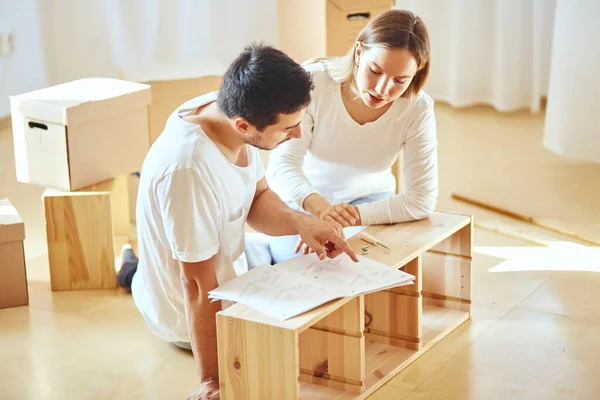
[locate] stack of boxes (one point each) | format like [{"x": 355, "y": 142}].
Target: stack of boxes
[
  {"x": 81, "y": 139},
  {"x": 84, "y": 141}
]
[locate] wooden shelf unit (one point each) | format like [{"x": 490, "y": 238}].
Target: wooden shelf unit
[{"x": 348, "y": 348}]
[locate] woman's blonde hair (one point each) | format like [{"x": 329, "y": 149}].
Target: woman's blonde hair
[{"x": 393, "y": 29}]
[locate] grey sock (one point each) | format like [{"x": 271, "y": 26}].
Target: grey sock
[{"x": 128, "y": 255}]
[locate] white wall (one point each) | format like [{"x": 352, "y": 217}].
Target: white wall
[
  {"x": 166, "y": 31},
  {"x": 61, "y": 40},
  {"x": 76, "y": 39},
  {"x": 25, "y": 69}
]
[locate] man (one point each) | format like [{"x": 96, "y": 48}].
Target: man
[{"x": 202, "y": 180}]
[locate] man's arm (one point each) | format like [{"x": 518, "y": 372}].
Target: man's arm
[
  {"x": 269, "y": 214},
  {"x": 198, "y": 279}
]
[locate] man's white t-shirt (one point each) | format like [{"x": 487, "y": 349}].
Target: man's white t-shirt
[{"x": 192, "y": 205}]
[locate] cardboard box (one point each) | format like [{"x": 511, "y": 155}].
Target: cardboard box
[
  {"x": 324, "y": 28},
  {"x": 79, "y": 133},
  {"x": 172, "y": 84},
  {"x": 13, "y": 276},
  {"x": 346, "y": 18}
]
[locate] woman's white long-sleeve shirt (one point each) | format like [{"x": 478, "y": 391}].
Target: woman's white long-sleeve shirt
[{"x": 343, "y": 160}]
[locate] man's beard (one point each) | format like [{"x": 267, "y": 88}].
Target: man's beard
[{"x": 254, "y": 143}]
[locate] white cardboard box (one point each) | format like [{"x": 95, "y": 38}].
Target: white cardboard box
[{"x": 79, "y": 133}]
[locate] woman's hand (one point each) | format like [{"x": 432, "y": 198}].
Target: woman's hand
[{"x": 343, "y": 213}]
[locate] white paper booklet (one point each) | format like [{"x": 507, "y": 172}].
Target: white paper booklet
[{"x": 295, "y": 286}]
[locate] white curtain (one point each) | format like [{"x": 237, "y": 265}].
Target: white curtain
[
  {"x": 98, "y": 37},
  {"x": 572, "y": 125},
  {"x": 494, "y": 52},
  {"x": 167, "y": 31}
]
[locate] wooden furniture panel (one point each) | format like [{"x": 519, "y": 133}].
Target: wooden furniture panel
[
  {"x": 332, "y": 350},
  {"x": 80, "y": 240},
  {"x": 394, "y": 318},
  {"x": 119, "y": 202},
  {"x": 257, "y": 361},
  {"x": 336, "y": 360},
  {"x": 447, "y": 280},
  {"x": 348, "y": 319}
]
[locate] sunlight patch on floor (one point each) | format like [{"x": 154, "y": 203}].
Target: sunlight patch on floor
[{"x": 558, "y": 256}]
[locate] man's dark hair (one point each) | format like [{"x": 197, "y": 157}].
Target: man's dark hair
[{"x": 261, "y": 83}]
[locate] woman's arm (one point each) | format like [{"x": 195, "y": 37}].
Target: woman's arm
[
  {"x": 419, "y": 171},
  {"x": 284, "y": 171},
  {"x": 286, "y": 178},
  {"x": 316, "y": 205}
]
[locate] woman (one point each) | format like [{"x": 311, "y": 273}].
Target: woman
[{"x": 367, "y": 106}]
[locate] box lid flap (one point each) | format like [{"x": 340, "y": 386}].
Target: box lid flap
[
  {"x": 173, "y": 71},
  {"x": 78, "y": 100},
  {"x": 12, "y": 227}
]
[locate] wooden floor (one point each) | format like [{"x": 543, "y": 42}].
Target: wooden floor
[{"x": 536, "y": 321}]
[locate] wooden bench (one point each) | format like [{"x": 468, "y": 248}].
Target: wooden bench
[{"x": 348, "y": 348}]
